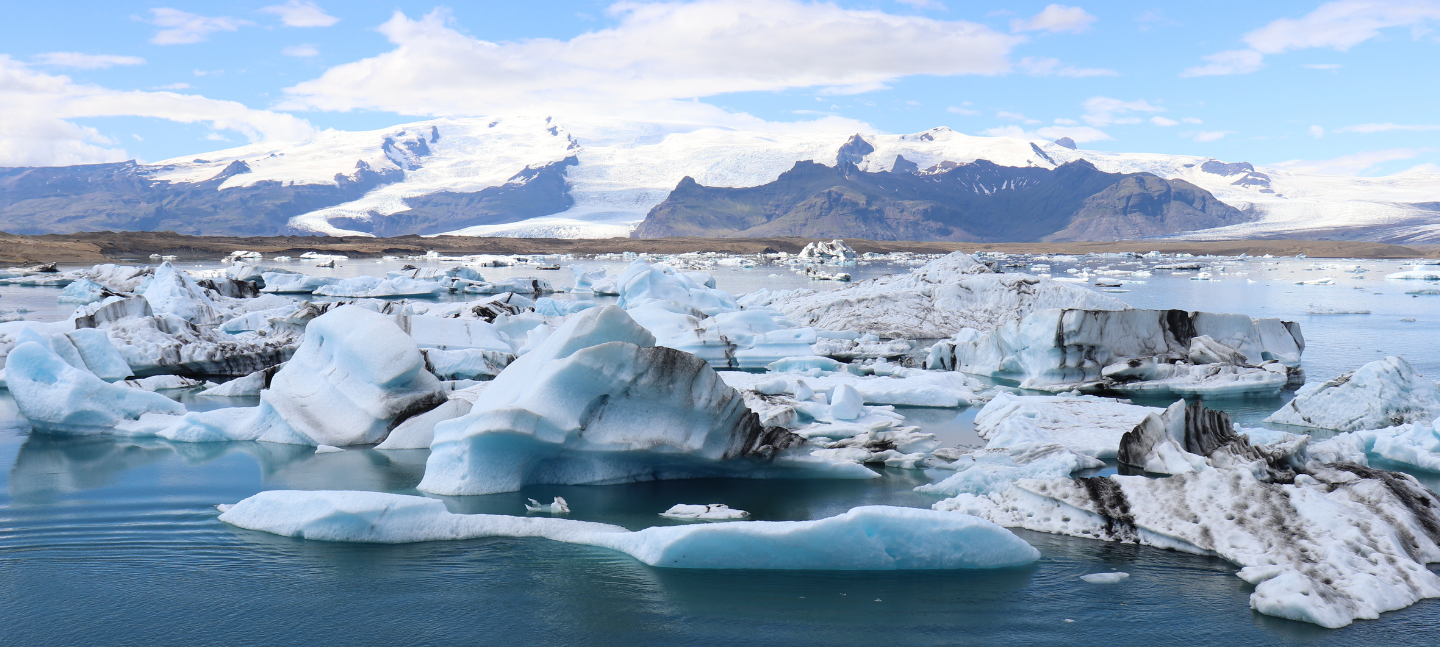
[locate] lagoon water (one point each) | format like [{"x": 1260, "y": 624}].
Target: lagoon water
[{"x": 116, "y": 541}]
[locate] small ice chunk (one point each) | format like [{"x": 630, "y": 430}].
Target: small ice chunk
[
  {"x": 555, "y": 507},
  {"x": 846, "y": 403},
  {"x": 1108, "y": 578},
  {"x": 710, "y": 512},
  {"x": 322, "y": 449}
]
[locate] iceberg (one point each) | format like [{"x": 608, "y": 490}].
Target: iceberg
[
  {"x": 376, "y": 287},
  {"x": 914, "y": 388},
  {"x": 517, "y": 285},
  {"x": 417, "y": 432},
  {"x": 1383, "y": 393},
  {"x": 1342, "y": 542},
  {"x": 58, "y": 397},
  {"x": 1413, "y": 445},
  {"x": 642, "y": 283},
  {"x": 1131, "y": 351},
  {"x": 705, "y": 512},
  {"x": 1088, "y": 425},
  {"x": 556, "y": 507},
  {"x": 352, "y": 380},
  {"x": 294, "y": 282},
  {"x": 933, "y": 301},
  {"x": 865, "y": 538},
  {"x": 172, "y": 292},
  {"x": 597, "y": 403}
]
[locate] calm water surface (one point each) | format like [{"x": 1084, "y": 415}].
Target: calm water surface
[{"x": 116, "y": 541}]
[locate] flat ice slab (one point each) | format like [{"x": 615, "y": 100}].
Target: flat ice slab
[{"x": 867, "y": 537}]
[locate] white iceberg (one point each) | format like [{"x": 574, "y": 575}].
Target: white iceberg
[
  {"x": 865, "y": 538},
  {"x": 556, "y": 507},
  {"x": 706, "y": 512},
  {"x": 933, "y": 301},
  {"x": 1088, "y": 425},
  {"x": 595, "y": 403},
  {"x": 376, "y": 287},
  {"x": 59, "y": 398},
  {"x": 294, "y": 282},
  {"x": 1383, "y": 393}
]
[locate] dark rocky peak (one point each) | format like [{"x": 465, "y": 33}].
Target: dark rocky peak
[
  {"x": 1041, "y": 153},
  {"x": 943, "y": 166},
  {"x": 530, "y": 173},
  {"x": 854, "y": 150},
  {"x": 1226, "y": 168},
  {"x": 233, "y": 169},
  {"x": 903, "y": 165},
  {"x": 1066, "y": 142},
  {"x": 434, "y": 134},
  {"x": 406, "y": 150}
]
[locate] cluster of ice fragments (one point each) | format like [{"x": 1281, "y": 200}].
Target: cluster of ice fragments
[{"x": 513, "y": 390}]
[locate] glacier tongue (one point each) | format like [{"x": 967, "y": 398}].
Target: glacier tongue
[{"x": 865, "y": 538}]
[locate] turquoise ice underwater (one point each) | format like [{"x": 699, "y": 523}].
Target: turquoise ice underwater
[{"x": 117, "y": 537}]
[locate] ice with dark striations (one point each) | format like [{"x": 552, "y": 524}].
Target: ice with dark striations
[
  {"x": 933, "y": 301},
  {"x": 352, "y": 380},
  {"x": 1325, "y": 543},
  {"x": 1132, "y": 351},
  {"x": 598, "y": 403},
  {"x": 864, "y": 538},
  {"x": 1380, "y": 394}
]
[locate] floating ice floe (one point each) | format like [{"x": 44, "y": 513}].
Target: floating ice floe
[
  {"x": 1325, "y": 281},
  {"x": 1383, "y": 393},
  {"x": 865, "y": 538},
  {"x": 1325, "y": 543},
  {"x": 365, "y": 286},
  {"x": 1105, "y": 578},
  {"x": 933, "y": 301},
  {"x": 294, "y": 282},
  {"x": 556, "y": 507},
  {"x": 1329, "y": 310},
  {"x": 911, "y": 387},
  {"x": 835, "y": 251},
  {"x": 355, "y": 375},
  {"x": 706, "y": 512},
  {"x": 597, "y": 403},
  {"x": 1413, "y": 445},
  {"x": 1162, "y": 352}
]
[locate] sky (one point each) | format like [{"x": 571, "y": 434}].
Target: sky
[{"x": 1345, "y": 88}]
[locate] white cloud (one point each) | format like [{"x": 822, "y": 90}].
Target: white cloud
[
  {"x": 923, "y": 4},
  {"x": 1162, "y": 121},
  {"x": 1191, "y": 120},
  {"x": 1334, "y": 25},
  {"x": 1341, "y": 25},
  {"x": 1317, "y": 132},
  {"x": 962, "y": 110},
  {"x": 1353, "y": 164},
  {"x": 86, "y": 61},
  {"x": 182, "y": 28},
  {"x": 1103, "y": 111},
  {"x": 35, "y": 107},
  {"x": 216, "y": 137},
  {"x": 1014, "y": 116},
  {"x": 1080, "y": 134},
  {"x": 301, "y": 50},
  {"x": 172, "y": 86},
  {"x": 1055, "y": 18},
  {"x": 1206, "y": 136},
  {"x": 1231, "y": 62},
  {"x": 1065, "y": 122},
  {"x": 1387, "y": 127},
  {"x": 296, "y": 13},
  {"x": 1322, "y": 66},
  {"x": 1052, "y": 67},
  {"x": 1426, "y": 168},
  {"x": 656, "y": 53}
]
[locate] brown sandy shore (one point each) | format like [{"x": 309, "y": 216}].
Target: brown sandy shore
[{"x": 101, "y": 247}]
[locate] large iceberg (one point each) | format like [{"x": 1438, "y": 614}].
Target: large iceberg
[
  {"x": 354, "y": 378},
  {"x": 366, "y": 286},
  {"x": 865, "y": 538},
  {"x": 597, "y": 403},
  {"x": 933, "y": 301},
  {"x": 1383, "y": 393},
  {"x": 59, "y": 397},
  {"x": 1163, "y": 352}
]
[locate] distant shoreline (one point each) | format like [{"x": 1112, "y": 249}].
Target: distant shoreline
[{"x": 102, "y": 247}]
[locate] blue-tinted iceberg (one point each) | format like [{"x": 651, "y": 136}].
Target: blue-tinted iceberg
[
  {"x": 597, "y": 403},
  {"x": 60, "y": 398},
  {"x": 865, "y": 538}
]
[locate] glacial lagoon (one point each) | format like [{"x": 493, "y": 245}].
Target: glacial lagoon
[{"x": 113, "y": 537}]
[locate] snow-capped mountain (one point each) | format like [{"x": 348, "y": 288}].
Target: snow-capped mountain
[{"x": 542, "y": 176}]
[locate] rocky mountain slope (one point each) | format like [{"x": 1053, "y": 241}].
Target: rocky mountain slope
[
  {"x": 976, "y": 201},
  {"x": 597, "y": 178}
]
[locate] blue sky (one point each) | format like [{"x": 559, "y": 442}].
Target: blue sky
[{"x": 1344, "y": 87}]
